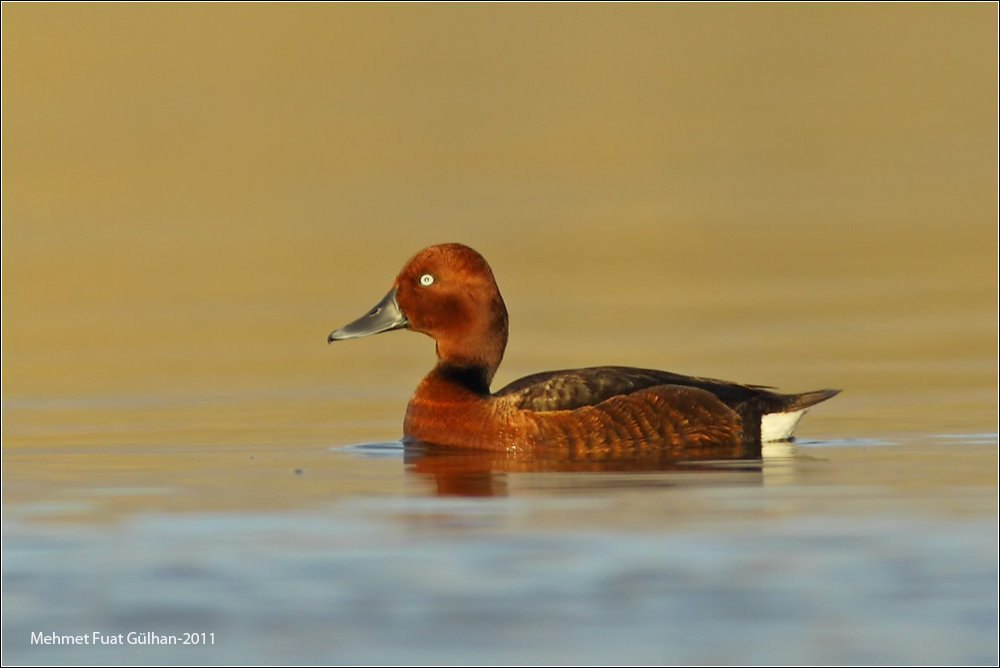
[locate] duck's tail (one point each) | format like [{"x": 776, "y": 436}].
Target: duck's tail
[{"x": 780, "y": 425}]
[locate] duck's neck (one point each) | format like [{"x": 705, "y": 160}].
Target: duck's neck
[
  {"x": 471, "y": 377},
  {"x": 471, "y": 357}
]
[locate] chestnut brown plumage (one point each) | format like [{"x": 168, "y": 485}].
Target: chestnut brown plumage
[{"x": 449, "y": 293}]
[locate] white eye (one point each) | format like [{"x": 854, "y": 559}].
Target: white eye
[{"x": 426, "y": 279}]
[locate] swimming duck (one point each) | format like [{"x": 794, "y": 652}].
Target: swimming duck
[{"x": 448, "y": 292}]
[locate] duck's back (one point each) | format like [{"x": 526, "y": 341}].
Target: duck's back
[{"x": 763, "y": 413}]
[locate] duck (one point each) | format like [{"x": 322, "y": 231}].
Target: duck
[{"x": 448, "y": 292}]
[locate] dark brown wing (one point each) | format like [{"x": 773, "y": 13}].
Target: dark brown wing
[{"x": 574, "y": 388}]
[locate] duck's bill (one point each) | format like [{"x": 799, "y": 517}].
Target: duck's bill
[{"x": 385, "y": 316}]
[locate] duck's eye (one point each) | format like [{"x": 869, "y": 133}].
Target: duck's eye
[{"x": 426, "y": 279}]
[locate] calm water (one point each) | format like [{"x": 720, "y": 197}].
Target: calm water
[
  {"x": 195, "y": 196},
  {"x": 868, "y": 552}
]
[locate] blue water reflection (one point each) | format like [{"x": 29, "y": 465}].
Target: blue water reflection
[{"x": 357, "y": 584}]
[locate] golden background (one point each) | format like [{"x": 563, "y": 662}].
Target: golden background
[{"x": 802, "y": 196}]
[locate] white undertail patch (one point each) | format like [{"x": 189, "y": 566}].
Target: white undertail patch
[{"x": 779, "y": 426}]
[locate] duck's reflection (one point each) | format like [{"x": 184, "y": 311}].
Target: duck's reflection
[{"x": 464, "y": 472}]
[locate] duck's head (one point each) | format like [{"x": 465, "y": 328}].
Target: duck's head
[{"x": 447, "y": 292}]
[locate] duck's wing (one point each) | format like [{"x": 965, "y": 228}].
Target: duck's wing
[{"x": 574, "y": 388}]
